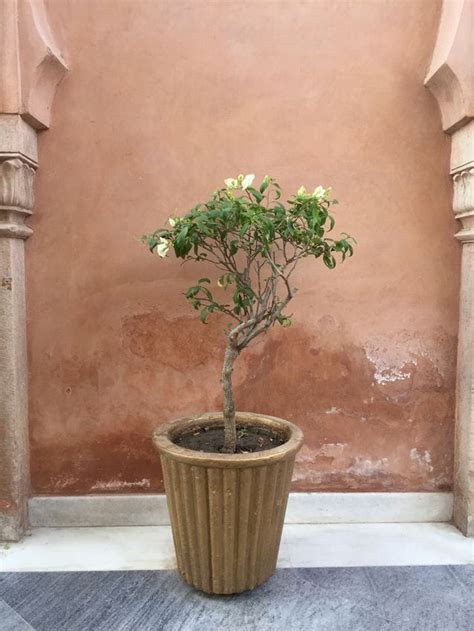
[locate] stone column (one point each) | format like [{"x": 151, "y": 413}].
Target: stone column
[
  {"x": 451, "y": 80},
  {"x": 31, "y": 67},
  {"x": 18, "y": 162},
  {"x": 462, "y": 171}
]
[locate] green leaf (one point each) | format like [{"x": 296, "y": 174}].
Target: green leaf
[
  {"x": 207, "y": 293},
  {"x": 193, "y": 291},
  {"x": 233, "y": 248},
  {"x": 204, "y": 280},
  {"x": 182, "y": 234},
  {"x": 256, "y": 194},
  {"x": 244, "y": 229},
  {"x": 264, "y": 185},
  {"x": 329, "y": 261},
  {"x": 181, "y": 244}
]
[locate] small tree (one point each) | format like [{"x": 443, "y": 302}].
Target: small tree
[{"x": 255, "y": 242}]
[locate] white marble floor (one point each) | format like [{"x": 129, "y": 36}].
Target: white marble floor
[{"x": 303, "y": 545}]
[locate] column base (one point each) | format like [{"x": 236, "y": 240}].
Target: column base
[
  {"x": 463, "y": 515},
  {"x": 14, "y": 525}
]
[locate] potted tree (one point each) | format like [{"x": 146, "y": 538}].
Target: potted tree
[{"x": 227, "y": 474}]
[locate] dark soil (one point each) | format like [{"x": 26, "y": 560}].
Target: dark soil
[{"x": 210, "y": 439}]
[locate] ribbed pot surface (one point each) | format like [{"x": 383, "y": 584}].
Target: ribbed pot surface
[{"x": 227, "y": 510}]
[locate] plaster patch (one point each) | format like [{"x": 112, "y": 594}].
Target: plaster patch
[
  {"x": 387, "y": 375},
  {"x": 118, "y": 485},
  {"x": 387, "y": 371},
  {"x": 64, "y": 483},
  {"x": 404, "y": 349},
  {"x": 305, "y": 454},
  {"x": 366, "y": 467},
  {"x": 331, "y": 449},
  {"x": 423, "y": 460}
]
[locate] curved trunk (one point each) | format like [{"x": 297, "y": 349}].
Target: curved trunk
[{"x": 230, "y": 433}]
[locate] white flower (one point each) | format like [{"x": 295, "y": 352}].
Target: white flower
[
  {"x": 321, "y": 193},
  {"x": 247, "y": 181},
  {"x": 163, "y": 247},
  {"x": 172, "y": 222},
  {"x": 240, "y": 182},
  {"x": 301, "y": 192},
  {"x": 230, "y": 182}
]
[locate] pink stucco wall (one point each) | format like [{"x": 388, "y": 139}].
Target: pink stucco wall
[{"x": 163, "y": 101}]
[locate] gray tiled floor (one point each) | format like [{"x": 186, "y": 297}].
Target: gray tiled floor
[{"x": 336, "y": 599}]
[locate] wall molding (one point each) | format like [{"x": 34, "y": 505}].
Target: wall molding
[
  {"x": 450, "y": 78},
  {"x": 303, "y": 508}
]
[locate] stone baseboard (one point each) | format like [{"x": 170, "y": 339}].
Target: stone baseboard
[{"x": 303, "y": 508}]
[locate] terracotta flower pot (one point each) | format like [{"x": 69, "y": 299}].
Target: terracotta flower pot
[{"x": 227, "y": 510}]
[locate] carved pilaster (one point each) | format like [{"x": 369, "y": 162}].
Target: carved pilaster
[
  {"x": 17, "y": 169},
  {"x": 462, "y": 171},
  {"x": 463, "y": 202},
  {"x": 16, "y": 197},
  {"x": 31, "y": 67},
  {"x": 18, "y": 164},
  {"x": 451, "y": 81}
]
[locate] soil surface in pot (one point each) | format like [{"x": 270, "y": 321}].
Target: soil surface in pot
[{"x": 210, "y": 439}]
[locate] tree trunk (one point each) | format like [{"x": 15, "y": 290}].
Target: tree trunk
[{"x": 230, "y": 433}]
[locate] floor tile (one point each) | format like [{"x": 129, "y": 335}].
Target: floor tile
[
  {"x": 10, "y": 620},
  {"x": 410, "y": 597},
  {"x": 428, "y": 598}
]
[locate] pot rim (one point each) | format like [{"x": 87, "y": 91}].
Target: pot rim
[{"x": 162, "y": 439}]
